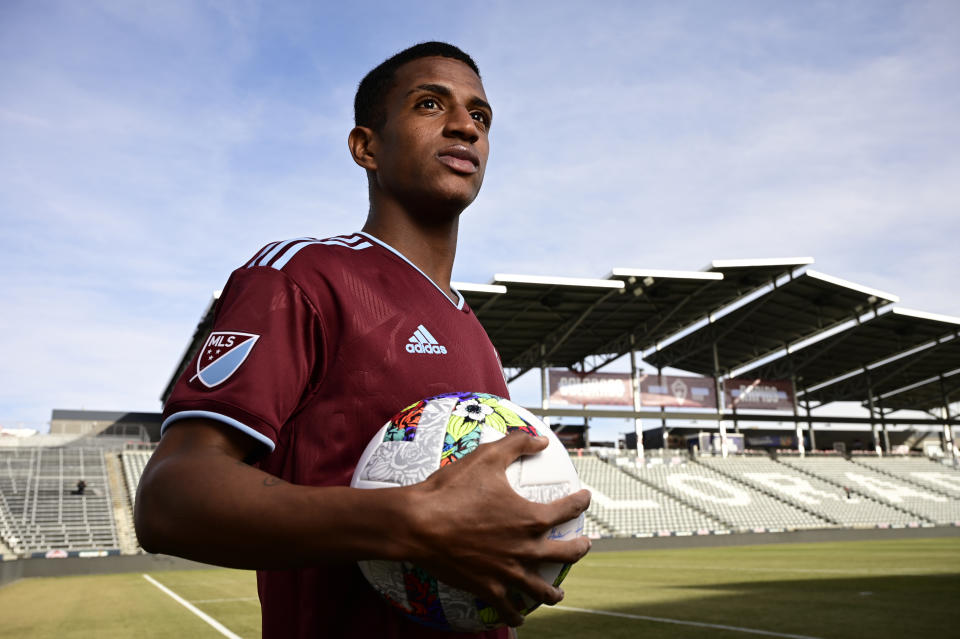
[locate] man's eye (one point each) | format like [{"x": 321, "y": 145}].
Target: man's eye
[
  {"x": 481, "y": 117},
  {"x": 428, "y": 103}
]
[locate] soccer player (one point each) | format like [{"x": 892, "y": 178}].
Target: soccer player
[{"x": 315, "y": 345}]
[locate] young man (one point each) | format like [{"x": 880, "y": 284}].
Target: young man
[{"x": 308, "y": 359}]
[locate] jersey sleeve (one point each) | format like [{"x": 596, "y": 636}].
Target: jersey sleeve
[{"x": 263, "y": 355}]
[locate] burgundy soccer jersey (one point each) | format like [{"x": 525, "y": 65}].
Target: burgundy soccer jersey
[{"x": 315, "y": 345}]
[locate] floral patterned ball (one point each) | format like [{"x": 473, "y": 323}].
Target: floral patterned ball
[{"x": 438, "y": 431}]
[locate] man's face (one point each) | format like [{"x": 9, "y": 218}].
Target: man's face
[{"x": 433, "y": 146}]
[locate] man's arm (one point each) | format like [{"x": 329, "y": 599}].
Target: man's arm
[{"x": 465, "y": 523}]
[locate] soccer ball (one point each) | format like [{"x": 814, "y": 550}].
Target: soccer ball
[{"x": 438, "y": 431}]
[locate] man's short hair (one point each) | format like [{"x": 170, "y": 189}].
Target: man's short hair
[{"x": 369, "y": 105}]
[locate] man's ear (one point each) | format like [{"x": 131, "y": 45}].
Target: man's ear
[{"x": 363, "y": 147}]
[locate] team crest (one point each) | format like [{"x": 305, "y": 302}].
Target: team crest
[{"x": 222, "y": 355}]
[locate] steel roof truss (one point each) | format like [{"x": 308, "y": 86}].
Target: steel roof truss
[
  {"x": 622, "y": 344},
  {"x": 537, "y": 354}
]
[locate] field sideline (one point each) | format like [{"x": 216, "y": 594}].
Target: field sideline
[{"x": 875, "y": 589}]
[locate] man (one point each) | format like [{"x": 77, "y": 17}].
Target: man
[{"x": 307, "y": 360}]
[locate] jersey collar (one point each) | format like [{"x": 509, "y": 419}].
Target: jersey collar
[{"x": 458, "y": 304}]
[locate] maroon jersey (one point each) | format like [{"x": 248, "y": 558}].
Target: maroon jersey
[{"x": 315, "y": 345}]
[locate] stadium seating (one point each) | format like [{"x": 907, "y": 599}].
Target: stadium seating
[
  {"x": 37, "y": 510},
  {"x": 826, "y": 499},
  {"x": 705, "y": 495},
  {"x": 624, "y": 506},
  {"x": 134, "y": 461},
  {"x": 728, "y": 500},
  {"x": 924, "y": 505},
  {"x": 932, "y": 475}
]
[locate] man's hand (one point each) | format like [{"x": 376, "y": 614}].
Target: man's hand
[{"x": 473, "y": 531}]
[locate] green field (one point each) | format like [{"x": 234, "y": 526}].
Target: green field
[{"x": 876, "y": 589}]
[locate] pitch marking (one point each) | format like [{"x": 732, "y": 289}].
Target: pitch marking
[
  {"x": 219, "y": 627},
  {"x": 678, "y": 622}
]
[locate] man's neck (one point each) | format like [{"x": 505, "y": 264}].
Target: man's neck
[{"x": 431, "y": 248}]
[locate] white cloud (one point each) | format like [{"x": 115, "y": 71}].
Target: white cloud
[{"x": 177, "y": 138}]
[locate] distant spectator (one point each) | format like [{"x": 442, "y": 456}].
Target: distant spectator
[
  {"x": 81, "y": 486},
  {"x": 847, "y": 491}
]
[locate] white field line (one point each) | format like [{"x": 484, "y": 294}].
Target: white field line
[
  {"x": 219, "y": 627},
  {"x": 678, "y": 622}
]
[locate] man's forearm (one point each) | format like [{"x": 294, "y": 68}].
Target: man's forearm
[{"x": 215, "y": 509}]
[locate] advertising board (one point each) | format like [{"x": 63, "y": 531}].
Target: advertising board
[{"x": 758, "y": 394}]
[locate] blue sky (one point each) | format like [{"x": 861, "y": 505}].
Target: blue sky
[{"x": 148, "y": 149}]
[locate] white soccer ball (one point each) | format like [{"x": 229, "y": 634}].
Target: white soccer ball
[{"x": 438, "y": 431}]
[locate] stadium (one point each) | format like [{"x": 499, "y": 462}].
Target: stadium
[
  {"x": 770, "y": 441},
  {"x": 788, "y": 467}
]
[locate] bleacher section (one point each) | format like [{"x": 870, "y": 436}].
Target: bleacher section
[
  {"x": 826, "y": 499},
  {"x": 38, "y": 513},
  {"x": 932, "y": 475},
  {"x": 134, "y": 461},
  {"x": 624, "y": 506},
  {"x": 735, "y": 504},
  {"x": 924, "y": 505},
  {"x": 705, "y": 495}
]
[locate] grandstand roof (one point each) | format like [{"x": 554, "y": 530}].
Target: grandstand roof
[
  {"x": 790, "y": 310},
  {"x": 770, "y": 319},
  {"x": 562, "y": 321},
  {"x": 103, "y": 415},
  {"x": 927, "y": 394},
  {"x": 910, "y": 379},
  {"x": 557, "y": 321},
  {"x": 896, "y": 346},
  {"x": 200, "y": 333}
]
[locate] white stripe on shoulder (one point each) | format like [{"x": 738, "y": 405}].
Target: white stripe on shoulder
[
  {"x": 286, "y": 257},
  {"x": 353, "y": 238},
  {"x": 279, "y": 249},
  {"x": 336, "y": 241},
  {"x": 278, "y": 254},
  {"x": 262, "y": 252}
]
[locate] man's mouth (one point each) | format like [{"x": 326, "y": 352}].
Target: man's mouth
[{"x": 460, "y": 158}]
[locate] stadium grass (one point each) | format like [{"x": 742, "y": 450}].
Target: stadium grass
[{"x": 876, "y": 589}]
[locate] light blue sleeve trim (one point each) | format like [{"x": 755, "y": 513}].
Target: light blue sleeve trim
[{"x": 229, "y": 421}]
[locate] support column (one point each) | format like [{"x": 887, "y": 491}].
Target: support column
[
  {"x": 635, "y": 385},
  {"x": 947, "y": 428},
  {"x": 664, "y": 431},
  {"x": 544, "y": 387},
  {"x": 873, "y": 424},
  {"x": 813, "y": 438},
  {"x": 883, "y": 426},
  {"x": 719, "y": 391},
  {"x": 798, "y": 429}
]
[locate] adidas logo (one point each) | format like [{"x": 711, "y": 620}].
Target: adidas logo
[{"x": 423, "y": 342}]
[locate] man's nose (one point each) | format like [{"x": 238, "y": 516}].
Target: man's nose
[{"x": 460, "y": 123}]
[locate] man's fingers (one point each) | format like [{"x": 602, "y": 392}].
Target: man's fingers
[
  {"x": 564, "y": 552},
  {"x": 503, "y": 602},
  {"x": 518, "y": 444},
  {"x": 535, "y": 590},
  {"x": 566, "y": 508}
]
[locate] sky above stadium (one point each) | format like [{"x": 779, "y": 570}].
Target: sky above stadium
[{"x": 150, "y": 148}]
